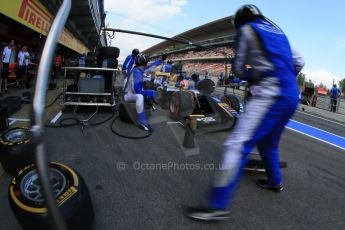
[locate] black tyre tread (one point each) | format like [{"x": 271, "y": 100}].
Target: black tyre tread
[
  {"x": 165, "y": 104},
  {"x": 232, "y": 101},
  {"x": 184, "y": 104},
  {"x": 16, "y": 155},
  {"x": 77, "y": 211},
  {"x": 163, "y": 99},
  {"x": 123, "y": 114},
  {"x": 148, "y": 85},
  {"x": 108, "y": 52}
]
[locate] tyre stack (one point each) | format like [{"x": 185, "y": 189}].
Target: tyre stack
[
  {"x": 3, "y": 118},
  {"x": 17, "y": 156},
  {"x": 72, "y": 198},
  {"x": 107, "y": 58},
  {"x": 16, "y": 149}
]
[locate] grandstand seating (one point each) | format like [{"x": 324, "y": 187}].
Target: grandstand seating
[
  {"x": 214, "y": 69},
  {"x": 216, "y": 52}
]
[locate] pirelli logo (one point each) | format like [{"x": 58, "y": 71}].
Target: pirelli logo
[{"x": 33, "y": 13}]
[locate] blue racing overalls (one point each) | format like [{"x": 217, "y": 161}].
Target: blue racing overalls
[
  {"x": 128, "y": 64},
  {"x": 134, "y": 89},
  {"x": 274, "y": 100}
]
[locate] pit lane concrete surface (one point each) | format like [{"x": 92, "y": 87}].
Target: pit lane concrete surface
[{"x": 144, "y": 184}]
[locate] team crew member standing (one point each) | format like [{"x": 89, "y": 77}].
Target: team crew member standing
[
  {"x": 6, "y": 56},
  {"x": 23, "y": 62},
  {"x": 167, "y": 68},
  {"x": 335, "y": 94},
  {"x": 129, "y": 61},
  {"x": 263, "y": 46}
]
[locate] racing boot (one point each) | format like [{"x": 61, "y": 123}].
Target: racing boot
[
  {"x": 263, "y": 184},
  {"x": 143, "y": 124},
  {"x": 207, "y": 214}
]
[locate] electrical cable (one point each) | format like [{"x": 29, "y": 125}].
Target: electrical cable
[
  {"x": 63, "y": 123},
  {"x": 125, "y": 136},
  {"x": 57, "y": 98},
  {"x": 76, "y": 121}
]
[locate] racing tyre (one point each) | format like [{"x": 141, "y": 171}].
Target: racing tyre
[
  {"x": 126, "y": 117},
  {"x": 113, "y": 63},
  {"x": 148, "y": 85},
  {"x": 108, "y": 52},
  {"x": 16, "y": 149},
  {"x": 162, "y": 99},
  {"x": 232, "y": 101},
  {"x": 123, "y": 114},
  {"x": 181, "y": 104},
  {"x": 72, "y": 197}
]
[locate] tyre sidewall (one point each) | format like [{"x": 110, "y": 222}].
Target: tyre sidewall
[
  {"x": 16, "y": 155},
  {"x": 232, "y": 101},
  {"x": 73, "y": 201},
  {"x": 184, "y": 105}
]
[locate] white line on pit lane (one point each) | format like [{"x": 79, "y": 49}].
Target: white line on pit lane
[
  {"x": 57, "y": 116},
  {"x": 321, "y": 118},
  {"x": 18, "y": 119},
  {"x": 14, "y": 120}
]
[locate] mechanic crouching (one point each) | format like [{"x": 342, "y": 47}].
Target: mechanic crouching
[{"x": 133, "y": 88}]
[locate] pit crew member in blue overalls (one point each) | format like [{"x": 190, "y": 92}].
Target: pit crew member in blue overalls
[
  {"x": 129, "y": 62},
  {"x": 134, "y": 88},
  {"x": 167, "y": 68},
  {"x": 274, "y": 69},
  {"x": 196, "y": 79}
]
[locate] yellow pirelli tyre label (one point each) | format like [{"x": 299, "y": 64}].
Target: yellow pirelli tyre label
[{"x": 60, "y": 200}]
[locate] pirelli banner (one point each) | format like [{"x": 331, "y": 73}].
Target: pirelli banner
[{"x": 34, "y": 15}]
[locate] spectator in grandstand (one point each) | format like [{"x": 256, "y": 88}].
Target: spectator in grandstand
[
  {"x": 6, "y": 56},
  {"x": 129, "y": 61},
  {"x": 23, "y": 63},
  {"x": 133, "y": 88},
  {"x": 264, "y": 46},
  {"x": 335, "y": 94}
]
